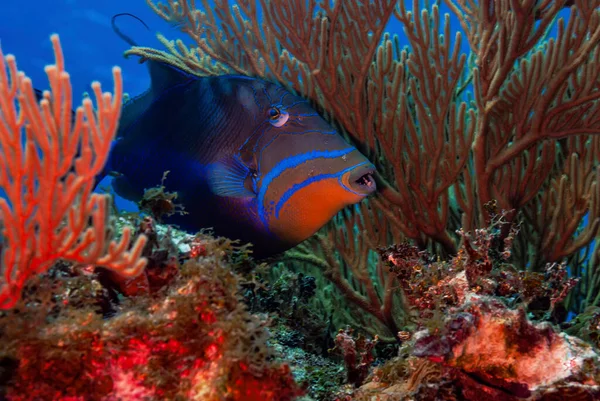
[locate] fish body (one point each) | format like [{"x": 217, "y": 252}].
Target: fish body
[{"x": 245, "y": 156}]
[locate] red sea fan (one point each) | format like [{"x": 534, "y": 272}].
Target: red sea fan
[{"x": 48, "y": 164}]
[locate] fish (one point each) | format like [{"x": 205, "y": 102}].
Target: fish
[{"x": 248, "y": 158}]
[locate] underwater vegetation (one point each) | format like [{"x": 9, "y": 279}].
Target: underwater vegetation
[
  {"x": 193, "y": 338},
  {"x": 473, "y": 272},
  {"x": 467, "y": 338}
]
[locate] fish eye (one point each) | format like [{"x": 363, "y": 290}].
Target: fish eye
[
  {"x": 277, "y": 117},
  {"x": 274, "y": 113}
]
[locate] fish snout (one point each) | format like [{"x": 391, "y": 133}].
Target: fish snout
[{"x": 360, "y": 179}]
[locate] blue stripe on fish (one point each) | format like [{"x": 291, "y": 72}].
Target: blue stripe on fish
[
  {"x": 296, "y": 187},
  {"x": 264, "y": 148},
  {"x": 292, "y": 162}
]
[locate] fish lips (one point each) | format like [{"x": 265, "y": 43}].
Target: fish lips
[{"x": 361, "y": 179}]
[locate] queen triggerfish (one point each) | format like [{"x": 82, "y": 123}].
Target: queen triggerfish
[{"x": 247, "y": 157}]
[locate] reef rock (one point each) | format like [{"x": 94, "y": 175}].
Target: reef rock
[{"x": 498, "y": 350}]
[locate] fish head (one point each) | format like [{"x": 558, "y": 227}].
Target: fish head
[{"x": 302, "y": 170}]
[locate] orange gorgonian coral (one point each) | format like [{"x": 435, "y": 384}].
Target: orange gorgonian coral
[{"x": 49, "y": 159}]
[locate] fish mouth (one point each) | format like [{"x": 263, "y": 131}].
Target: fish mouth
[{"x": 362, "y": 180}]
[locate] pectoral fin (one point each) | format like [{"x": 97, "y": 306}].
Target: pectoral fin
[{"x": 232, "y": 178}]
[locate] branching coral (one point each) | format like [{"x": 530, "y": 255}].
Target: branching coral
[
  {"x": 49, "y": 160},
  {"x": 553, "y": 94},
  {"x": 347, "y": 258},
  {"x": 362, "y": 80}
]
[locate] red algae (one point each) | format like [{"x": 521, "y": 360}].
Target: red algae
[
  {"x": 470, "y": 340},
  {"x": 191, "y": 340}
]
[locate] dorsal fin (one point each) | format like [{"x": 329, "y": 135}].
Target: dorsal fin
[{"x": 164, "y": 76}]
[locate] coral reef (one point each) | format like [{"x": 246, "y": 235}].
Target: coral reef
[
  {"x": 474, "y": 330},
  {"x": 513, "y": 121},
  {"x": 357, "y": 354},
  {"x": 506, "y": 354},
  {"x": 319, "y": 375},
  {"x": 586, "y": 326},
  {"x": 287, "y": 300},
  {"x": 191, "y": 339},
  {"x": 162, "y": 255},
  {"x": 160, "y": 203},
  {"x": 505, "y": 138}
]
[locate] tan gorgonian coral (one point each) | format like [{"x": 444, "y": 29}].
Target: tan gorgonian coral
[{"x": 515, "y": 121}]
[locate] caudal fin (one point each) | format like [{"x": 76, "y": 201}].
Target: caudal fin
[{"x": 119, "y": 32}]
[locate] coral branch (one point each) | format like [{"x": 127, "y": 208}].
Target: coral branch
[{"x": 48, "y": 165}]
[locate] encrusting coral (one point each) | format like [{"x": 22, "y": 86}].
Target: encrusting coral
[
  {"x": 191, "y": 339},
  {"x": 472, "y": 326}
]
